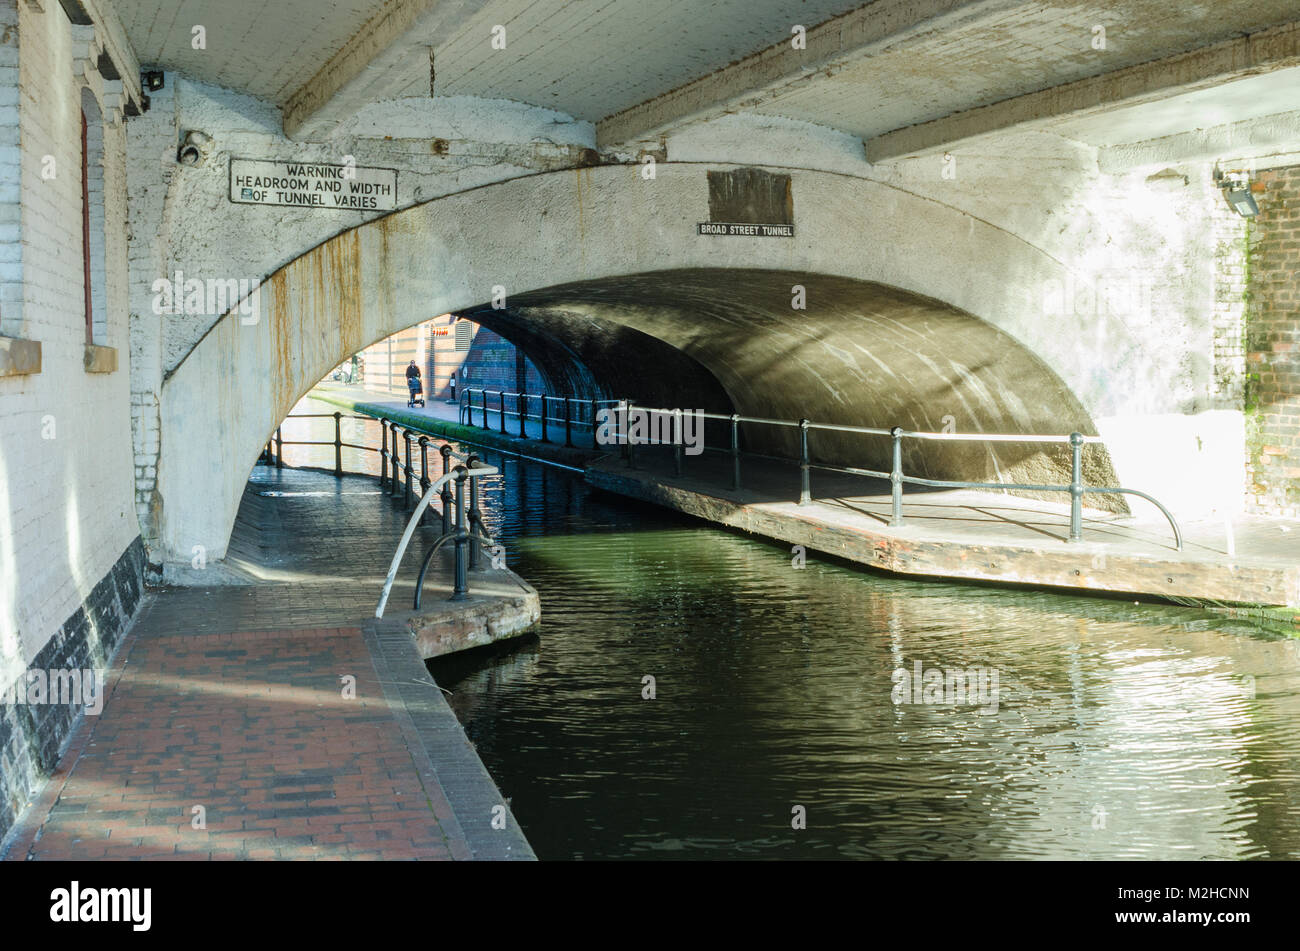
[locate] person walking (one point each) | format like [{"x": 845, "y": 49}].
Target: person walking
[{"x": 413, "y": 382}]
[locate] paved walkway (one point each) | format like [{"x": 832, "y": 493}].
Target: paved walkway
[{"x": 275, "y": 719}]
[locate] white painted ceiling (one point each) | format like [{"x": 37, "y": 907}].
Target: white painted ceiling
[
  {"x": 267, "y": 48},
  {"x": 594, "y": 58},
  {"x": 588, "y": 58},
  {"x": 1034, "y": 46}
]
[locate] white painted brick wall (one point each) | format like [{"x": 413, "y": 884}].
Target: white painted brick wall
[{"x": 65, "y": 503}]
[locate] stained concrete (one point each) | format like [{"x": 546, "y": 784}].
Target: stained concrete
[{"x": 593, "y": 226}]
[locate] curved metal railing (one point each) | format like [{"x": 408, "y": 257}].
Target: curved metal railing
[
  {"x": 462, "y": 535},
  {"x": 461, "y": 523}
]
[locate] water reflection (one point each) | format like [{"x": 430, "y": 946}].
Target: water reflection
[{"x": 1121, "y": 730}]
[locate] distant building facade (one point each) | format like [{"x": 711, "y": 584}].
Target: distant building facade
[{"x": 447, "y": 346}]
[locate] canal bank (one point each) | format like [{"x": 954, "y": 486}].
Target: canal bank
[
  {"x": 441, "y": 419},
  {"x": 1246, "y": 568},
  {"x": 979, "y": 536},
  {"x": 277, "y": 718}
]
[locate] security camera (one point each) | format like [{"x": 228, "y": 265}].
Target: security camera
[{"x": 194, "y": 148}]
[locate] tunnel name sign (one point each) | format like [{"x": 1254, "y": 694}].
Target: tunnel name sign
[
  {"x": 312, "y": 185},
  {"x": 753, "y": 231}
]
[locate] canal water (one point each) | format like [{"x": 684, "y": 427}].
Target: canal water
[{"x": 778, "y": 723}]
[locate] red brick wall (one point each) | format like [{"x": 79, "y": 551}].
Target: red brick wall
[{"x": 1273, "y": 346}]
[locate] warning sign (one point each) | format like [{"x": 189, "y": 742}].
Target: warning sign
[{"x": 313, "y": 185}]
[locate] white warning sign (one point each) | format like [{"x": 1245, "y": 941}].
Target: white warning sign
[{"x": 313, "y": 185}]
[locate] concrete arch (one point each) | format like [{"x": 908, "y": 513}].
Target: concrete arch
[{"x": 588, "y": 227}]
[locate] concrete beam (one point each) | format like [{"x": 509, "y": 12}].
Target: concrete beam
[
  {"x": 113, "y": 41},
  {"x": 1272, "y": 138},
  {"x": 377, "y": 62},
  {"x": 1256, "y": 53},
  {"x": 891, "y": 24}
]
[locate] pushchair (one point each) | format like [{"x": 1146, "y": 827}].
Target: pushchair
[{"x": 417, "y": 391}]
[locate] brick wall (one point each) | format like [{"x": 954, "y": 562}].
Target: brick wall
[
  {"x": 1273, "y": 346},
  {"x": 68, "y": 530}
]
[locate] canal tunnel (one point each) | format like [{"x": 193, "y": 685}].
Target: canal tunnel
[{"x": 784, "y": 345}]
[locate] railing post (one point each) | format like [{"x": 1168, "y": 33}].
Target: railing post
[
  {"x": 1076, "y": 487},
  {"x": 544, "y": 398},
  {"x": 424, "y": 474},
  {"x": 485, "y": 419},
  {"x": 896, "y": 477},
  {"x": 409, "y": 470},
  {"x": 677, "y": 440},
  {"x": 595, "y": 444},
  {"x": 568, "y": 424},
  {"x": 475, "y": 516},
  {"x": 445, "y": 494},
  {"x": 522, "y": 402},
  {"x": 620, "y": 428},
  {"x": 503, "y": 412},
  {"x": 735, "y": 452},
  {"x": 627, "y": 435},
  {"x": 461, "y": 587},
  {"x": 279, "y": 448},
  {"x": 338, "y": 444},
  {"x": 805, "y": 483},
  {"x": 396, "y": 485},
  {"x": 383, "y": 453}
]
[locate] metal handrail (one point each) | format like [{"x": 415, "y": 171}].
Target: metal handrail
[
  {"x": 471, "y": 538},
  {"x": 466, "y": 409},
  {"x": 1076, "y": 441},
  {"x": 460, "y": 474}
]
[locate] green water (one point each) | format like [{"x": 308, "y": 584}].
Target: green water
[{"x": 1112, "y": 730}]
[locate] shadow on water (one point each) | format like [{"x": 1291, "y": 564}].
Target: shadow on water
[{"x": 1103, "y": 728}]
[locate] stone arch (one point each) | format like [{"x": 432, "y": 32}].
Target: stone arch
[{"x": 565, "y": 239}]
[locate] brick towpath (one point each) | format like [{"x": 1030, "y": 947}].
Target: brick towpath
[{"x": 231, "y": 699}]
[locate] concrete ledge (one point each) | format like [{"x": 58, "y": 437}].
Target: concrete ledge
[
  {"x": 501, "y": 605},
  {"x": 100, "y": 359},
  {"x": 1129, "y": 568},
  {"x": 467, "y": 800},
  {"x": 19, "y": 357}
]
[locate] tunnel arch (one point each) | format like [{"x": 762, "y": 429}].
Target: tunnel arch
[{"x": 563, "y": 242}]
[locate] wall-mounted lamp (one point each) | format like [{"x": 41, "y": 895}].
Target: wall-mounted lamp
[
  {"x": 194, "y": 147},
  {"x": 1236, "y": 192},
  {"x": 151, "y": 79}
]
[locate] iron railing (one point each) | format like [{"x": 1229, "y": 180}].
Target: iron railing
[
  {"x": 574, "y": 413},
  {"x": 461, "y": 518},
  {"x": 1077, "y": 488}
]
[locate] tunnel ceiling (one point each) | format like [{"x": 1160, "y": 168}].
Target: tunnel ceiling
[{"x": 858, "y": 353}]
